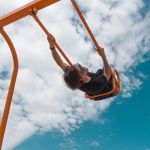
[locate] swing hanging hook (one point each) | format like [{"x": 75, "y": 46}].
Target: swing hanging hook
[{"x": 33, "y": 11}]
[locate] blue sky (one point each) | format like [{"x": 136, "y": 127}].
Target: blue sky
[{"x": 47, "y": 115}]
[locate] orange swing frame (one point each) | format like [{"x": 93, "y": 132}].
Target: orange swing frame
[{"x": 31, "y": 9}]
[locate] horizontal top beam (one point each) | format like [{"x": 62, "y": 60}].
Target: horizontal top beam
[{"x": 24, "y": 11}]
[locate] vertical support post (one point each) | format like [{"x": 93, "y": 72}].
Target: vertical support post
[{"x": 11, "y": 87}]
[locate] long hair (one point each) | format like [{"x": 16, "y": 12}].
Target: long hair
[{"x": 72, "y": 78}]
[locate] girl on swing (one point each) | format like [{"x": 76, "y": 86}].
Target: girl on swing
[{"x": 79, "y": 77}]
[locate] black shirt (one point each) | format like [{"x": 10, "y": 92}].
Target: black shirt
[{"x": 98, "y": 83}]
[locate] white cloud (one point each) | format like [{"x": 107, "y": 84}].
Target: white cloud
[
  {"x": 41, "y": 101},
  {"x": 95, "y": 144}
]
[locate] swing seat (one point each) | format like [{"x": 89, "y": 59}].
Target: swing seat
[{"x": 114, "y": 92}]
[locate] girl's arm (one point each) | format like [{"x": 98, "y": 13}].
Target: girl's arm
[
  {"x": 58, "y": 60},
  {"x": 107, "y": 68},
  {"x": 55, "y": 55}
]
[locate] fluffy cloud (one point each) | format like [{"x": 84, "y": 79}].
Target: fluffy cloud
[{"x": 41, "y": 102}]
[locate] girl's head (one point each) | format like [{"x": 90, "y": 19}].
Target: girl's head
[{"x": 73, "y": 76}]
